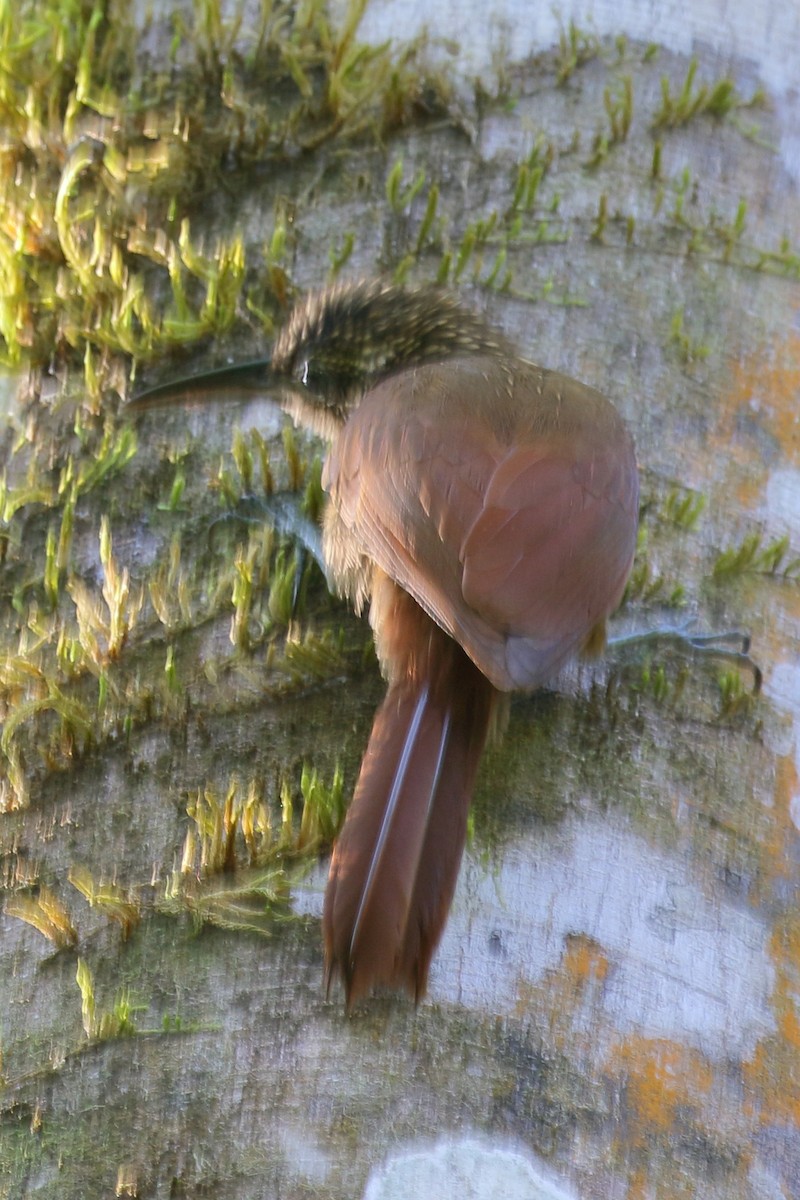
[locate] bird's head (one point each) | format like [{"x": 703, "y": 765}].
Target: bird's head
[{"x": 339, "y": 342}]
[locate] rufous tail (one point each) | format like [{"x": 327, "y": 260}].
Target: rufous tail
[{"x": 395, "y": 864}]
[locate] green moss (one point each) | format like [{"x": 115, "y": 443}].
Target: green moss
[
  {"x": 715, "y": 99},
  {"x": 752, "y": 556}
]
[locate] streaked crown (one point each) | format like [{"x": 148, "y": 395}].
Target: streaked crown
[{"x": 339, "y": 341}]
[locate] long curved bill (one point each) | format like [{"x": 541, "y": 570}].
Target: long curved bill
[{"x": 239, "y": 381}]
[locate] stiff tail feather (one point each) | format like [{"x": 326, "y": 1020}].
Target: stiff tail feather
[{"x": 395, "y": 864}]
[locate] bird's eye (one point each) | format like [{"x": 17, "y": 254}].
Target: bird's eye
[
  {"x": 313, "y": 375},
  {"x": 328, "y": 380}
]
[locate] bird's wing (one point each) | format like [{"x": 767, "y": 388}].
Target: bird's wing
[
  {"x": 551, "y": 548},
  {"x": 400, "y": 489},
  {"x": 515, "y": 550}
]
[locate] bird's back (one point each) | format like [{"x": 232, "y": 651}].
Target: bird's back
[{"x": 501, "y": 496}]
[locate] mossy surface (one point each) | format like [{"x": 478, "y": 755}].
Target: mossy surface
[{"x": 179, "y": 732}]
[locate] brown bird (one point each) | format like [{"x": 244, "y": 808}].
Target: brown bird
[{"x": 486, "y": 508}]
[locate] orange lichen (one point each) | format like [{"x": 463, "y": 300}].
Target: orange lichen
[
  {"x": 789, "y": 1026},
  {"x": 661, "y": 1078},
  {"x": 777, "y": 862},
  {"x": 584, "y": 961},
  {"x": 773, "y": 1072},
  {"x": 569, "y": 1000},
  {"x": 762, "y": 401},
  {"x": 773, "y": 381},
  {"x": 583, "y": 969},
  {"x": 638, "y": 1185}
]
